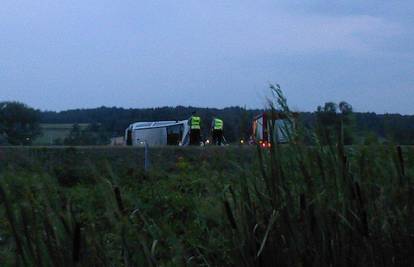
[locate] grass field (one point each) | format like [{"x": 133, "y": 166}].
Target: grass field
[
  {"x": 51, "y": 133},
  {"x": 234, "y": 206}
]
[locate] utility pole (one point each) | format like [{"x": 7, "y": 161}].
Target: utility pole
[{"x": 146, "y": 157}]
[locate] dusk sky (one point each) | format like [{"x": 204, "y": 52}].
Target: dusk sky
[{"x": 57, "y": 55}]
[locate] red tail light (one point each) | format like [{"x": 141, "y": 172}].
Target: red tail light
[{"x": 265, "y": 144}]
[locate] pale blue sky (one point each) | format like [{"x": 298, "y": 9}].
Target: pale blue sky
[{"x": 133, "y": 53}]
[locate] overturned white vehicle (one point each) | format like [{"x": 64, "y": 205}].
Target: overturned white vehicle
[{"x": 158, "y": 133}]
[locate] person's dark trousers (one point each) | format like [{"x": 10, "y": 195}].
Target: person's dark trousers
[
  {"x": 195, "y": 137},
  {"x": 217, "y": 137}
]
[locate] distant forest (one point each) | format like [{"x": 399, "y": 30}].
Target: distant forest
[{"x": 113, "y": 121}]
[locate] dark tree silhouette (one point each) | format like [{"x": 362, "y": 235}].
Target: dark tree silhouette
[{"x": 18, "y": 123}]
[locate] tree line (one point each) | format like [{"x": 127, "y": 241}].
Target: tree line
[{"x": 19, "y": 123}]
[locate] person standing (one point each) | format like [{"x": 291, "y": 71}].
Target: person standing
[
  {"x": 195, "y": 129},
  {"x": 217, "y": 128}
]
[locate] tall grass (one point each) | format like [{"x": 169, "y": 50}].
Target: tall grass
[
  {"x": 83, "y": 214},
  {"x": 324, "y": 205},
  {"x": 49, "y": 228}
]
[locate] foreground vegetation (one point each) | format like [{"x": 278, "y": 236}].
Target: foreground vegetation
[
  {"x": 98, "y": 207},
  {"x": 213, "y": 207}
]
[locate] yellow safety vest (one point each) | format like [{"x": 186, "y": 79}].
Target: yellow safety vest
[
  {"x": 195, "y": 122},
  {"x": 218, "y": 124}
]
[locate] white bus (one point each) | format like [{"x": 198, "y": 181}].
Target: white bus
[{"x": 158, "y": 133}]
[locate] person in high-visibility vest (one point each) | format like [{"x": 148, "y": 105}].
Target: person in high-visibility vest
[
  {"x": 217, "y": 126},
  {"x": 195, "y": 129}
]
